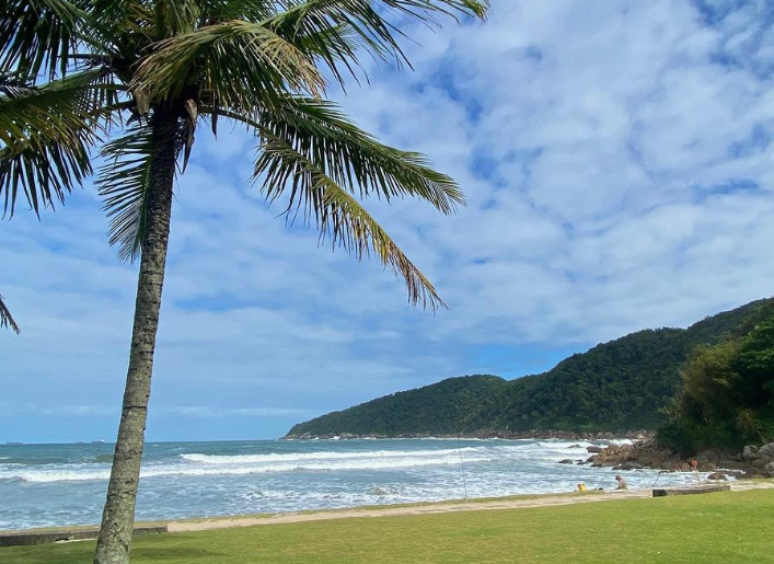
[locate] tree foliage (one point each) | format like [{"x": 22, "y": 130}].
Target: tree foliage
[
  {"x": 727, "y": 397},
  {"x": 440, "y": 409},
  {"x": 70, "y": 70}
]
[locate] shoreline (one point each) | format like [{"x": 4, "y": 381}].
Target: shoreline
[{"x": 525, "y": 501}]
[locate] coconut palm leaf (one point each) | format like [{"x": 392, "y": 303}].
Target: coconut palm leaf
[
  {"x": 47, "y": 133},
  {"x": 55, "y": 110},
  {"x": 216, "y": 11},
  {"x": 6, "y": 320},
  {"x": 350, "y": 156},
  {"x": 44, "y": 173},
  {"x": 236, "y": 62},
  {"x": 176, "y": 16},
  {"x": 364, "y": 18},
  {"x": 39, "y": 35},
  {"x": 339, "y": 216},
  {"x": 124, "y": 182}
]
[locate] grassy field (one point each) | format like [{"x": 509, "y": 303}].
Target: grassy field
[{"x": 727, "y": 528}]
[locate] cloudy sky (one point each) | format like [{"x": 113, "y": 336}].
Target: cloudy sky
[{"x": 618, "y": 162}]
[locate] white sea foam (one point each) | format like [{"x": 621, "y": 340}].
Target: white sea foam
[
  {"x": 237, "y": 469},
  {"x": 324, "y": 455},
  {"x": 197, "y": 464}
]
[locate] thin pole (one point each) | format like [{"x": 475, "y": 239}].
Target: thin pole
[{"x": 462, "y": 468}]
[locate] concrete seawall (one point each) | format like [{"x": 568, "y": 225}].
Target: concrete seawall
[{"x": 27, "y": 538}]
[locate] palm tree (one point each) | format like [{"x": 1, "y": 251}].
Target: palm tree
[{"x": 136, "y": 78}]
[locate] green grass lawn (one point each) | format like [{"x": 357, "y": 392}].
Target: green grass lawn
[{"x": 724, "y": 528}]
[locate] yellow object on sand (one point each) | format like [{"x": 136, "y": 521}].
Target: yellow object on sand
[{"x": 581, "y": 487}]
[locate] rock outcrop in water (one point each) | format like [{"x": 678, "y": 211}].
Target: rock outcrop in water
[{"x": 752, "y": 462}]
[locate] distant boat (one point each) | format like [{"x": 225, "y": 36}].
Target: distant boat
[
  {"x": 99, "y": 442},
  {"x": 14, "y": 443}
]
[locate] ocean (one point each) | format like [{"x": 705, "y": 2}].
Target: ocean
[{"x": 58, "y": 485}]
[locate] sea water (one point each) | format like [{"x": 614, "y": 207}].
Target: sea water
[{"x": 57, "y": 485}]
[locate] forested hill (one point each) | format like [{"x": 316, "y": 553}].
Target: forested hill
[{"x": 617, "y": 386}]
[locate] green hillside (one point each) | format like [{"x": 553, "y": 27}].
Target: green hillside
[
  {"x": 441, "y": 409},
  {"x": 617, "y": 386}
]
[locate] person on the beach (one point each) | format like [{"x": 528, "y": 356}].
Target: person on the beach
[{"x": 622, "y": 485}]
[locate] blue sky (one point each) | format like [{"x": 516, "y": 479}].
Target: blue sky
[{"x": 617, "y": 160}]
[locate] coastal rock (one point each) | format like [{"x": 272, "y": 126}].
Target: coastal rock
[
  {"x": 768, "y": 470},
  {"x": 594, "y": 449},
  {"x": 717, "y": 476},
  {"x": 648, "y": 454},
  {"x": 733, "y": 465},
  {"x": 565, "y": 461},
  {"x": 628, "y": 466},
  {"x": 766, "y": 452},
  {"x": 575, "y": 446},
  {"x": 708, "y": 456},
  {"x": 750, "y": 453},
  {"x": 758, "y": 463}
]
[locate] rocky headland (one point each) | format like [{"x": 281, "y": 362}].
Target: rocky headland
[{"x": 752, "y": 462}]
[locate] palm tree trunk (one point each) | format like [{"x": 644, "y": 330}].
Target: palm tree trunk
[{"x": 115, "y": 535}]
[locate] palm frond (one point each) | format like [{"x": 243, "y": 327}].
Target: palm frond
[
  {"x": 217, "y": 11},
  {"x": 39, "y": 35},
  {"x": 44, "y": 173},
  {"x": 47, "y": 133},
  {"x": 126, "y": 25},
  {"x": 339, "y": 216},
  {"x": 53, "y": 110},
  {"x": 173, "y": 17},
  {"x": 6, "y": 320},
  {"x": 124, "y": 183},
  {"x": 236, "y": 62},
  {"x": 367, "y": 20},
  {"x": 348, "y": 155},
  {"x": 12, "y": 84}
]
